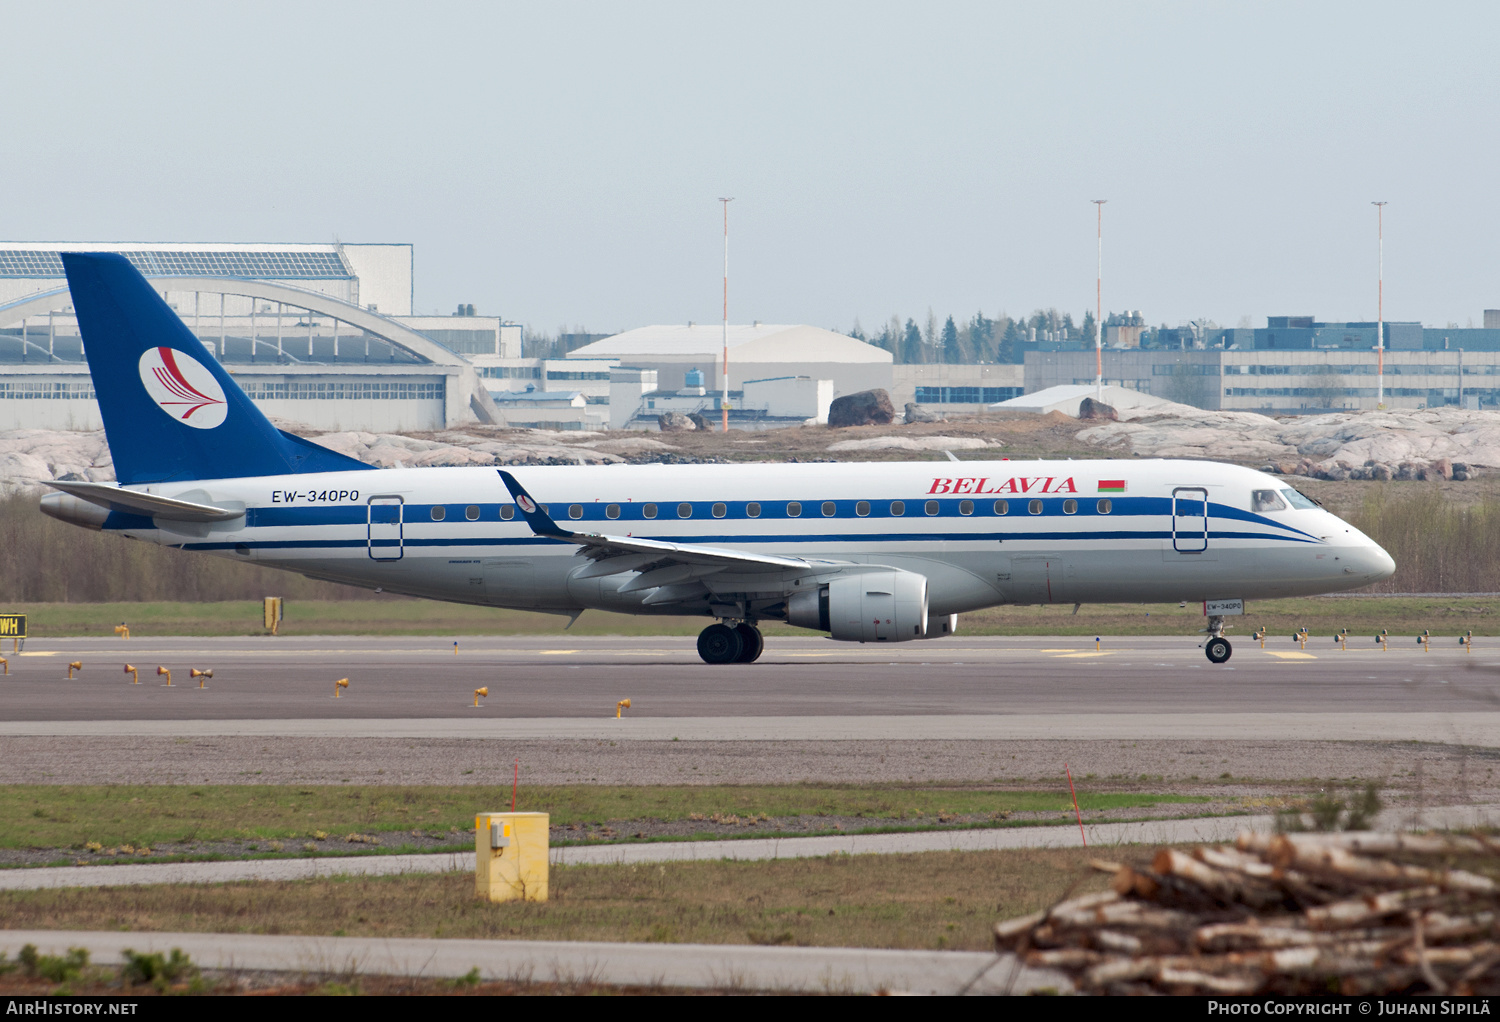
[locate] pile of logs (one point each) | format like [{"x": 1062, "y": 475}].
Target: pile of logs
[{"x": 1298, "y": 914}]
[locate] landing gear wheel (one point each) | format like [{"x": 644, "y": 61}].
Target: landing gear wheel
[
  {"x": 720, "y": 644},
  {"x": 1218, "y": 649},
  {"x": 753, "y": 643}
]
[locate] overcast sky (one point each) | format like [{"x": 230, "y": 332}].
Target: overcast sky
[{"x": 560, "y": 163}]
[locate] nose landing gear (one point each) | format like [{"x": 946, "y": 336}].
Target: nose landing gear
[
  {"x": 1217, "y": 647},
  {"x": 730, "y": 644}
]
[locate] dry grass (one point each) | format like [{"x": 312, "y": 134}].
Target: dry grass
[
  {"x": 62, "y": 816},
  {"x": 931, "y": 900}
]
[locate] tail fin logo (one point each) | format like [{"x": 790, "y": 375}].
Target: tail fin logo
[
  {"x": 183, "y": 387},
  {"x": 526, "y": 504}
]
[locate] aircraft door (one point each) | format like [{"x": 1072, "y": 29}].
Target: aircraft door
[
  {"x": 384, "y": 534},
  {"x": 1190, "y": 519}
]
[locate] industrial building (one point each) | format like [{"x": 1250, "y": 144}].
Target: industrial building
[
  {"x": 1281, "y": 381},
  {"x": 316, "y": 334}
]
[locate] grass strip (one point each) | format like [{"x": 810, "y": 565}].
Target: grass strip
[
  {"x": 926, "y": 900},
  {"x": 1323, "y": 616},
  {"x": 62, "y": 816}
]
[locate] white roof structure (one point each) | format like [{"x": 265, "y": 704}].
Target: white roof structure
[
  {"x": 759, "y": 342},
  {"x": 1068, "y": 397}
]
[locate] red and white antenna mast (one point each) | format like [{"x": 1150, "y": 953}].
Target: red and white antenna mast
[{"x": 724, "y": 398}]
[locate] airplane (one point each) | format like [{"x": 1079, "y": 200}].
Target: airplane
[{"x": 878, "y": 552}]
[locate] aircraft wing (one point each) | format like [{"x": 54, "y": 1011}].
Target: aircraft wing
[
  {"x": 134, "y": 502},
  {"x": 614, "y": 554}
]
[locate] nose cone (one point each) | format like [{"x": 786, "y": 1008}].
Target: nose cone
[{"x": 1370, "y": 563}]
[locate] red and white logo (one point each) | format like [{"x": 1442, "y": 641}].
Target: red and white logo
[
  {"x": 183, "y": 387},
  {"x": 526, "y": 504}
]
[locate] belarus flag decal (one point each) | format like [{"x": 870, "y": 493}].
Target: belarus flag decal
[{"x": 1111, "y": 486}]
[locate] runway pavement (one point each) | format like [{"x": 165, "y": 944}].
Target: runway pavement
[{"x": 961, "y": 687}]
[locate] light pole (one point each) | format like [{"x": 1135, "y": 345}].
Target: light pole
[
  {"x": 724, "y": 398},
  {"x": 1380, "y": 307},
  {"x": 1099, "y": 305}
]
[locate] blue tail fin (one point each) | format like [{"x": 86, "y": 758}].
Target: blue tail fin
[{"x": 170, "y": 410}]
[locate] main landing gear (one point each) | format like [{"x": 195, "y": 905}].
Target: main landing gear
[
  {"x": 730, "y": 644},
  {"x": 1217, "y": 647}
]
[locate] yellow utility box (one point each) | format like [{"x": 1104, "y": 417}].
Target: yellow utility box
[{"x": 510, "y": 856}]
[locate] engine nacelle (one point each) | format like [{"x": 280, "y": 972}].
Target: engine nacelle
[{"x": 877, "y": 606}]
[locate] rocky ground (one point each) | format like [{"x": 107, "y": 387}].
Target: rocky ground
[{"x": 1444, "y": 443}]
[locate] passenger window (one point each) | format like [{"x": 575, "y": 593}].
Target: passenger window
[
  {"x": 720, "y": 510},
  {"x": 648, "y": 510},
  {"x": 829, "y": 507},
  {"x": 611, "y": 511},
  {"x": 752, "y": 510},
  {"x": 862, "y": 508},
  {"x": 575, "y": 511},
  {"x": 1299, "y": 500},
  {"x": 1002, "y": 507},
  {"x": 1266, "y": 500},
  {"x": 684, "y": 510},
  {"x": 898, "y": 508},
  {"x": 794, "y": 510},
  {"x": 966, "y": 507},
  {"x": 1105, "y": 506},
  {"x": 1070, "y": 506},
  {"x": 932, "y": 507},
  {"x": 1035, "y": 507},
  {"x": 472, "y": 512},
  {"x": 439, "y": 513},
  {"x": 507, "y": 512}
]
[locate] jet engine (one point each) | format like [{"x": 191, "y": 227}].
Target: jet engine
[{"x": 877, "y": 606}]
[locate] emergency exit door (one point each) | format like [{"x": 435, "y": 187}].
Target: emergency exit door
[{"x": 385, "y": 528}]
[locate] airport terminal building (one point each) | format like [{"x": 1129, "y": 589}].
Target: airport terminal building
[{"x": 321, "y": 335}]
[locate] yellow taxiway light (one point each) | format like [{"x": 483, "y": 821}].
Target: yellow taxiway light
[
  {"x": 135, "y": 677},
  {"x": 162, "y": 670},
  {"x": 341, "y": 683},
  {"x": 623, "y": 704},
  {"x": 201, "y": 675},
  {"x": 1466, "y": 640},
  {"x": 4, "y": 663},
  {"x": 76, "y": 665},
  {"x": 480, "y": 692}
]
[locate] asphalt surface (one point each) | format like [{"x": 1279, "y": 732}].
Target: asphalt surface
[
  {"x": 706, "y": 966},
  {"x": 292, "y": 679}
]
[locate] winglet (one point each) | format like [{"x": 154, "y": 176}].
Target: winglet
[{"x": 535, "y": 514}]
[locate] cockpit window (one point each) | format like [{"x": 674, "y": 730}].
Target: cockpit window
[
  {"x": 1266, "y": 500},
  {"x": 1297, "y": 500}
]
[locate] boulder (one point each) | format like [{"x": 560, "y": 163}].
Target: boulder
[
  {"x": 1091, "y": 409},
  {"x": 916, "y": 413},
  {"x": 701, "y": 421},
  {"x": 675, "y": 422},
  {"x": 1381, "y": 472},
  {"x": 866, "y": 408},
  {"x": 1442, "y": 469}
]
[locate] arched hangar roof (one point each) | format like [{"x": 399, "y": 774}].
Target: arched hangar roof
[{"x": 372, "y": 322}]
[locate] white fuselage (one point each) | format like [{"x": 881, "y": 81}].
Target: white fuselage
[{"x": 982, "y": 533}]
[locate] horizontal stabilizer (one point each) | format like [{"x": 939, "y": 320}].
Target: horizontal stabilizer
[{"x": 153, "y": 506}]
